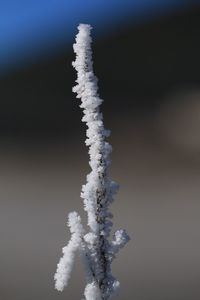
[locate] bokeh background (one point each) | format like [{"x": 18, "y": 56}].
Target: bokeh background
[{"x": 146, "y": 56}]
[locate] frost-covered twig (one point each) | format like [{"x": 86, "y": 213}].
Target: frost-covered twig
[
  {"x": 98, "y": 193},
  {"x": 65, "y": 264}
]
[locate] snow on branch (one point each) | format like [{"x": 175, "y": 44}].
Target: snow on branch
[
  {"x": 98, "y": 193},
  {"x": 65, "y": 264}
]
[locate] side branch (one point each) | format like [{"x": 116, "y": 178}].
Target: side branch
[{"x": 65, "y": 265}]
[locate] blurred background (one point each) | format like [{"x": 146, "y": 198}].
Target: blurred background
[{"x": 146, "y": 56}]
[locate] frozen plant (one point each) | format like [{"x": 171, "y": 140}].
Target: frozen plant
[{"x": 96, "y": 247}]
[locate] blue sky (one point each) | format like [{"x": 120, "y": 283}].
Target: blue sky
[{"x": 30, "y": 29}]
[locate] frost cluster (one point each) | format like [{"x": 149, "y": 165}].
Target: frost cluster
[{"x": 96, "y": 247}]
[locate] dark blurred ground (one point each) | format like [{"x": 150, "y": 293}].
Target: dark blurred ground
[{"x": 149, "y": 79}]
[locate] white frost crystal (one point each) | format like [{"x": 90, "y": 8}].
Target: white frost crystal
[
  {"x": 92, "y": 292},
  {"x": 98, "y": 193},
  {"x": 65, "y": 264}
]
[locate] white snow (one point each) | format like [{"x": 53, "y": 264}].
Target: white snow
[{"x": 98, "y": 193}]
